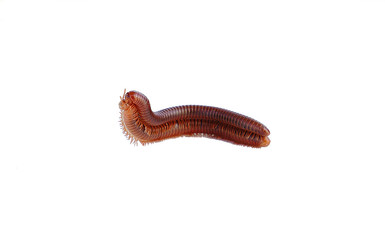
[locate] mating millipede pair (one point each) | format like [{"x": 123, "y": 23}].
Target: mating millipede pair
[{"x": 140, "y": 123}]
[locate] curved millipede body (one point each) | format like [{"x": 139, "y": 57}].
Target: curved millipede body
[{"x": 140, "y": 123}]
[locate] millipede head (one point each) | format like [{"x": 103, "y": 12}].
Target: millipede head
[{"x": 125, "y": 100}]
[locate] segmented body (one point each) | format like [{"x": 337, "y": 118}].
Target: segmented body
[{"x": 141, "y": 124}]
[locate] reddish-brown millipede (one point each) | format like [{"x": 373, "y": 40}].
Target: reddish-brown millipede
[{"x": 140, "y": 123}]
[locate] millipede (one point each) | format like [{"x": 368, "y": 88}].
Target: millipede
[{"x": 140, "y": 124}]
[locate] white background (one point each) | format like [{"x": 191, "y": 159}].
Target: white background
[{"x": 311, "y": 71}]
